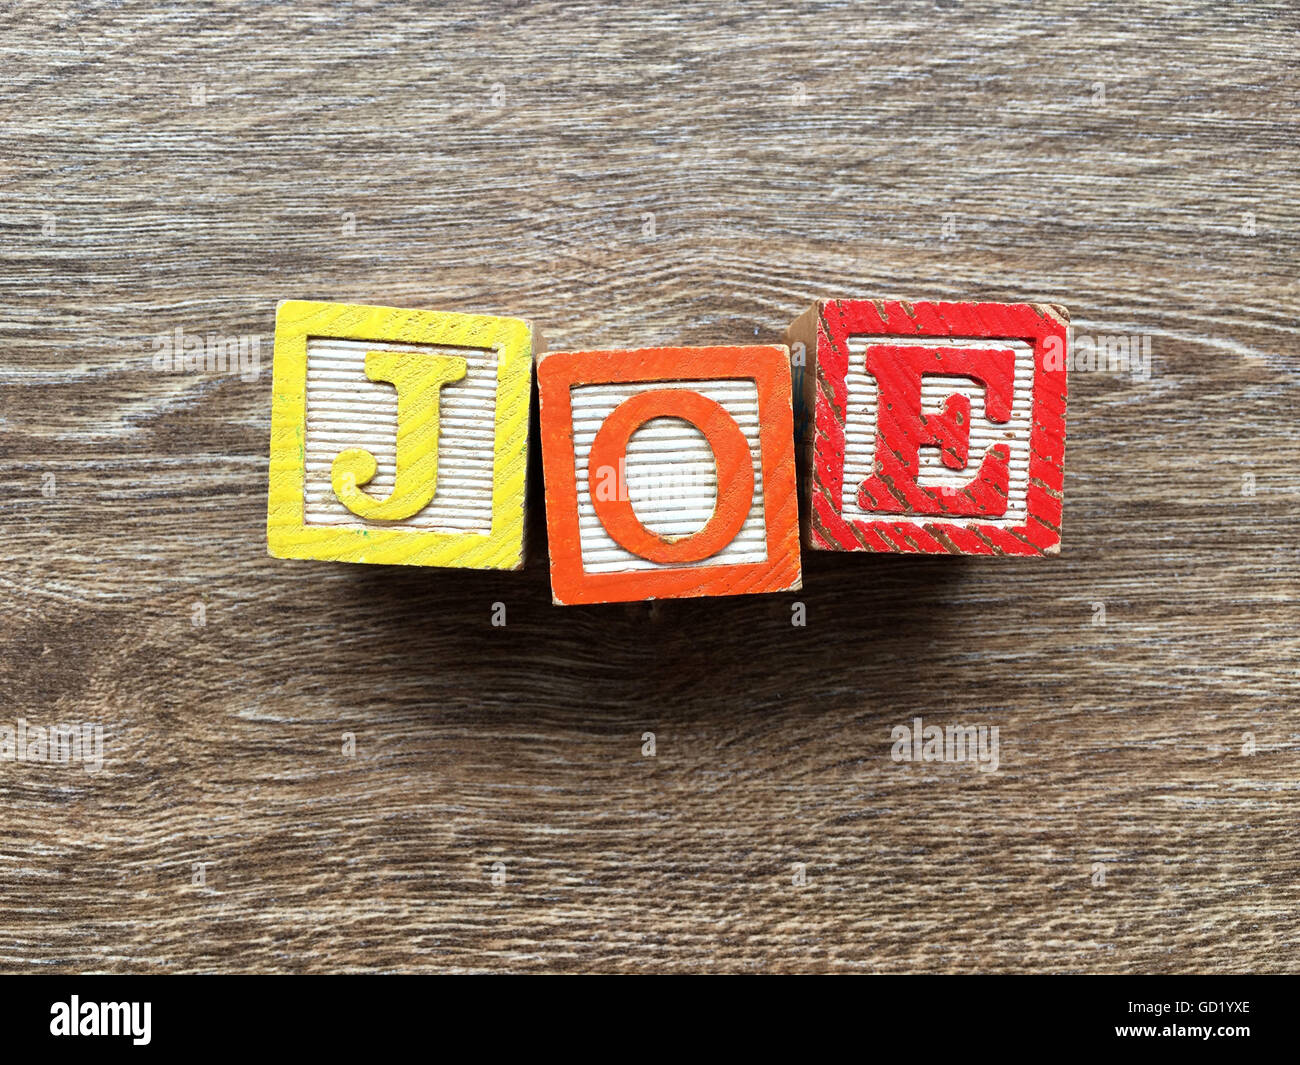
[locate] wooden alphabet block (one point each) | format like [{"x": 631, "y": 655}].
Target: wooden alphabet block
[
  {"x": 669, "y": 472},
  {"x": 399, "y": 436},
  {"x": 933, "y": 427}
]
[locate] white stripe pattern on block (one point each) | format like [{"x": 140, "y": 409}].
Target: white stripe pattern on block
[
  {"x": 672, "y": 479},
  {"x": 860, "y": 427},
  {"x": 346, "y": 409}
]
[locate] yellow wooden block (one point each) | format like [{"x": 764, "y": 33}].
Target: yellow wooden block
[{"x": 399, "y": 437}]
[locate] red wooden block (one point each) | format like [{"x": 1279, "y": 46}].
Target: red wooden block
[
  {"x": 670, "y": 472},
  {"x": 933, "y": 427}
]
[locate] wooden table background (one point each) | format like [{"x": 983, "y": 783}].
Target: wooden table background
[{"x": 187, "y": 166}]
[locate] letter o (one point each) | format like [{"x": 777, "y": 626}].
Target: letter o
[{"x": 731, "y": 455}]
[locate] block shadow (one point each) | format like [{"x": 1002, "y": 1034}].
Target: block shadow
[{"x": 871, "y": 625}]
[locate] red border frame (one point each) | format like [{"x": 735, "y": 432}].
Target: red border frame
[
  {"x": 769, "y": 368},
  {"x": 1034, "y": 323}
]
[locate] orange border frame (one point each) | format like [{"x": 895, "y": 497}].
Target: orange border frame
[{"x": 769, "y": 368}]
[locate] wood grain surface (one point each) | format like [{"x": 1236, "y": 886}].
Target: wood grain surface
[{"x": 633, "y": 176}]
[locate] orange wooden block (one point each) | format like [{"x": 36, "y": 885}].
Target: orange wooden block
[{"x": 669, "y": 473}]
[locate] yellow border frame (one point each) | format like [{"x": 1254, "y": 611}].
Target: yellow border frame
[{"x": 288, "y": 536}]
